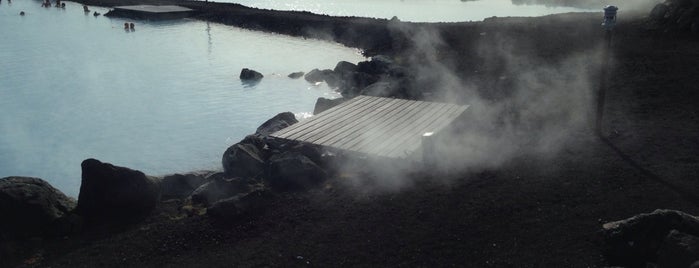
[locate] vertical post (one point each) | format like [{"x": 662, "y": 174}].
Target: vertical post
[
  {"x": 428, "y": 153},
  {"x": 608, "y": 24}
]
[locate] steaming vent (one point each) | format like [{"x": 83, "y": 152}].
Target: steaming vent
[{"x": 375, "y": 126}]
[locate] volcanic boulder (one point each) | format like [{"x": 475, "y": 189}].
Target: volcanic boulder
[
  {"x": 344, "y": 67},
  {"x": 296, "y": 75},
  {"x": 222, "y": 188},
  {"x": 250, "y": 75},
  {"x": 112, "y": 194},
  {"x": 678, "y": 250},
  {"x": 244, "y": 159},
  {"x": 323, "y": 104},
  {"x": 30, "y": 207},
  {"x": 381, "y": 89},
  {"x": 355, "y": 82},
  {"x": 682, "y": 15},
  {"x": 315, "y": 76},
  {"x": 276, "y": 123},
  {"x": 377, "y": 65},
  {"x": 329, "y": 76},
  {"x": 182, "y": 185},
  {"x": 635, "y": 241},
  {"x": 294, "y": 171},
  {"x": 247, "y": 158},
  {"x": 245, "y": 203}
]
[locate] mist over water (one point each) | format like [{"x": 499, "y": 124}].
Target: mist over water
[
  {"x": 165, "y": 98},
  {"x": 161, "y": 99}
]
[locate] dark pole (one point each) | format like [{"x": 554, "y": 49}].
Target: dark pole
[
  {"x": 608, "y": 24},
  {"x": 602, "y": 90}
]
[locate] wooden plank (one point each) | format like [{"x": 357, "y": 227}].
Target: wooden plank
[
  {"x": 414, "y": 142},
  {"x": 390, "y": 148},
  {"x": 372, "y": 132},
  {"x": 360, "y": 125},
  {"x": 380, "y": 127},
  {"x": 311, "y": 122},
  {"x": 433, "y": 126},
  {"x": 364, "y": 115},
  {"x": 340, "y": 121},
  {"x": 380, "y": 131},
  {"x": 317, "y": 121},
  {"x": 369, "y": 126}
]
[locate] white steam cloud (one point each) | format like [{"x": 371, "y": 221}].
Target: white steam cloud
[{"x": 537, "y": 106}]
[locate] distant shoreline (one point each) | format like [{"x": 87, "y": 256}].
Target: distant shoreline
[{"x": 369, "y": 34}]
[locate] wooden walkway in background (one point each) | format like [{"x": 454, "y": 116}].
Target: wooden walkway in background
[{"x": 375, "y": 126}]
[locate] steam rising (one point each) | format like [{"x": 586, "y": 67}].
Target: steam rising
[{"x": 528, "y": 105}]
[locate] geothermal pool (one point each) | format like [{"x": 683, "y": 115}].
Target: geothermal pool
[{"x": 164, "y": 98}]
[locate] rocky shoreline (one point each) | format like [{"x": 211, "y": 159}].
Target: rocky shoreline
[{"x": 287, "y": 204}]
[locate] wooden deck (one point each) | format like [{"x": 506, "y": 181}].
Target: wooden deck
[
  {"x": 385, "y": 127},
  {"x": 151, "y": 12}
]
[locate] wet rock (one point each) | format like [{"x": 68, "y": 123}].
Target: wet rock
[
  {"x": 678, "y": 250},
  {"x": 244, "y": 159},
  {"x": 344, "y": 67},
  {"x": 377, "y": 65},
  {"x": 327, "y": 75},
  {"x": 323, "y": 104},
  {"x": 635, "y": 241},
  {"x": 313, "y": 152},
  {"x": 31, "y": 207},
  {"x": 112, "y": 194},
  {"x": 659, "y": 12},
  {"x": 296, "y": 75},
  {"x": 382, "y": 89},
  {"x": 276, "y": 123},
  {"x": 356, "y": 82},
  {"x": 332, "y": 79},
  {"x": 182, "y": 185},
  {"x": 242, "y": 204},
  {"x": 294, "y": 171},
  {"x": 250, "y": 75},
  {"x": 680, "y": 15},
  {"x": 221, "y": 188},
  {"x": 315, "y": 76}
]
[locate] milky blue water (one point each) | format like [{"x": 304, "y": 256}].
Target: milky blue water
[
  {"x": 164, "y": 98},
  {"x": 412, "y": 10}
]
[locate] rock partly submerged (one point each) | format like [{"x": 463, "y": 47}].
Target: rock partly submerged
[
  {"x": 296, "y": 75},
  {"x": 250, "y": 75},
  {"x": 276, "y": 123},
  {"x": 381, "y": 76}
]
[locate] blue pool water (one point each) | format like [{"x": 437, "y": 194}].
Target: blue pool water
[{"x": 164, "y": 98}]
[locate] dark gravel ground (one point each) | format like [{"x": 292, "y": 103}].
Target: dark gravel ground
[{"x": 528, "y": 212}]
